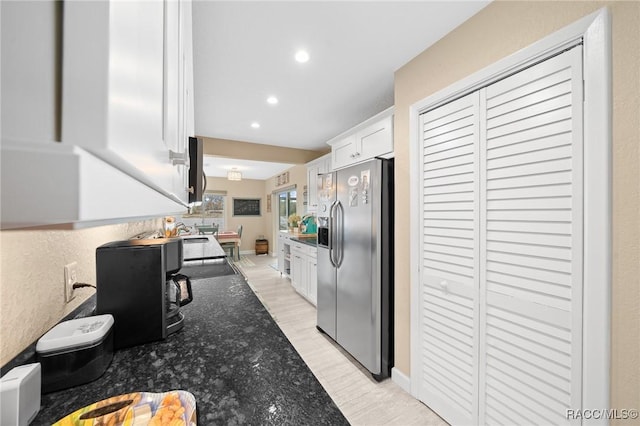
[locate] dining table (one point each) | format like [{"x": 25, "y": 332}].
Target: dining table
[{"x": 230, "y": 237}]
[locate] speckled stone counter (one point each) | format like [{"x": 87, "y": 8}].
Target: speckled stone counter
[
  {"x": 231, "y": 355},
  {"x": 313, "y": 242}
]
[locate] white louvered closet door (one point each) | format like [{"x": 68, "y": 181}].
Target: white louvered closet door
[
  {"x": 449, "y": 322},
  {"x": 531, "y": 244},
  {"x": 501, "y": 291}
]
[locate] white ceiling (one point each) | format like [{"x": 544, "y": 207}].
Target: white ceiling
[{"x": 244, "y": 52}]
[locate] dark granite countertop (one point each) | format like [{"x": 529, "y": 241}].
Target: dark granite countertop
[
  {"x": 313, "y": 242},
  {"x": 230, "y": 355}
]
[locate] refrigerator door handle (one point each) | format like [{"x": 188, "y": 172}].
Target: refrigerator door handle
[
  {"x": 332, "y": 230},
  {"x": 339, "y": 233}
]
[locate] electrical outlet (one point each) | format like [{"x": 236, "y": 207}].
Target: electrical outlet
[{"x": 70, "y": 278}]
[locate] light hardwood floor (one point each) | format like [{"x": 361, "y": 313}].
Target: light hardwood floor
[{"x": 362, "y": 400}]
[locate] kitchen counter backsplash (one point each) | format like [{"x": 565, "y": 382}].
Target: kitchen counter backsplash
[{"x": 28, "y": 355}]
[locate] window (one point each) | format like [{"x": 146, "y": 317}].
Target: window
[
  {"x": 287, "y": 202},
  {"x": 211, "y": 209}
]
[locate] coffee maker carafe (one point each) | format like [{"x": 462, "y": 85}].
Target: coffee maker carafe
[{"x": 137, "y": 283}]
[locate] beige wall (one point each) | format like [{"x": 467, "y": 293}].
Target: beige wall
[
  {"x": 32, "y": 262},
  {"x": 32, "y": 277},
  {"x": 499, "y": 30},
  {"x": 253, "y": 227},
  {"x": 258, "y": 152}
]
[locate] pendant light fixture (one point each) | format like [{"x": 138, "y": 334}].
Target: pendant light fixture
[{"x": 234, "y": 174}]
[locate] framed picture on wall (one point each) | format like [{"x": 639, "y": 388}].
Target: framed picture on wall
[
  {"x": 246, "y": 207},
  {"x": 268, "y": 203}
]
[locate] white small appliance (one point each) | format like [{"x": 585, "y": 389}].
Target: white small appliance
[{"x": 20, "y": 395}]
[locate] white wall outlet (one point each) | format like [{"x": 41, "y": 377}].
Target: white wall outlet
[{"x": 70, "y": 278}]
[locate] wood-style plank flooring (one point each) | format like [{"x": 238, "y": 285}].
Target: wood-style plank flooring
[{"x": 362, "y": 400}]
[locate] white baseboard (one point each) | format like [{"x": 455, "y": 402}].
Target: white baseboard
[
  {"x": 247, "y": 252},
  {"x": 401, "y": 379}
]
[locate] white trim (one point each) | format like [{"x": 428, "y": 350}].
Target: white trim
[
  {"x": 597, "y": 214},
  {"x": 401, "y": 379},
  {"x": 594, "y": 30},
  {"x": 415, "y": 223}
]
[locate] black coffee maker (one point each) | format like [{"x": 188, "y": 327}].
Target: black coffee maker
[{"x": 137, "y": 282}]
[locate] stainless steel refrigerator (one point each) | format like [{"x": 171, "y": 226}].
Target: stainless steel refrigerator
[{"x": 355, "y": 262}]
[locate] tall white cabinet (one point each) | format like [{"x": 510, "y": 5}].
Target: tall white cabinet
[{"x": 501, "y": 292}]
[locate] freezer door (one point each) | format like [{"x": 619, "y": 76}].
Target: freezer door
[
  {"x": 326, "y": 299},
  {"x": 326, "y": 302},
  {"x": 358, "y": 255}
]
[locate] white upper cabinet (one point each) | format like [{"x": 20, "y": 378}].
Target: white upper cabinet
[
  {"x": 345, "y": 151},
  {"x": 104, "y": 83},
  {"x": 314, "y": 168},
  {"x": 53, "y": 184},
  {"x": 127, "y": 83},
  {"x": 372, "y": 138}
]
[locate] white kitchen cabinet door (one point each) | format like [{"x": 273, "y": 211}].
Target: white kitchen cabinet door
[
  {"x": 312, "y": 187},
  {"x": 449, "y": 321},
  {"x": 325, "y": 164},
  {"x": 122, "y": 74},
  {"x": 312, "y": 280},
  {"x": 298, "y": 272},
  {"x": 314, "y": 168},
  {"x": 375, "y": 140},
  {"x": 343, "y": 153},
  {"x": 186, "y": 101}
]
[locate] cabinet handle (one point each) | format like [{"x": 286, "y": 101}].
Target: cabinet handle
[{"x": 178, "y": 158}]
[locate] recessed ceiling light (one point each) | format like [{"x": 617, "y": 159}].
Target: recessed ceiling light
[
  {"x": 255, "y": 125},
  {"x": 272, "y": 100},
  {"x": 302, "y": 56}
]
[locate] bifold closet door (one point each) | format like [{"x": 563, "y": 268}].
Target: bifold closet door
[
  {"x": 449, "y": 322},
  {"x": 501, "y": 288},
  {"x": 531, "y": 244}
]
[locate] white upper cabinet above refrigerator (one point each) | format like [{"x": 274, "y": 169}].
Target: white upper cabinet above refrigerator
[
  {"x": 370, "y": 139},
  {"x": 127, "y": 87}
]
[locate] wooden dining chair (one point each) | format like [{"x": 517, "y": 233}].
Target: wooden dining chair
[
  {"x": 207, "y": 229},
  {"x": 239, "y": 232},
  {"x": 231, "y": 246}
]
